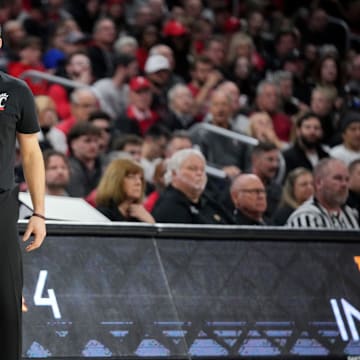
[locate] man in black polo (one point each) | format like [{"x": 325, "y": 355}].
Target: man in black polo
[{"x": 17, "y": 121}]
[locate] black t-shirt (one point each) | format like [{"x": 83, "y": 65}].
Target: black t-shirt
[
  {"x": 174, "y": 207},
  {"x": 17, "y": 114}
]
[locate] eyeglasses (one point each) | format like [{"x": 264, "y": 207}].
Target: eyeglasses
[{"x": 254, "y": 191}]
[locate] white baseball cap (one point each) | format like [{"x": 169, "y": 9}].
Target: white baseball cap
[{"x": 156, "y": 63}]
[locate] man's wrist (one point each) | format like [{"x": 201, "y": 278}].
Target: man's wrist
[{"x": 38, "y": 215}]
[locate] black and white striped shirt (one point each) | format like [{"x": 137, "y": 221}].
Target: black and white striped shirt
[{"x": 312, "y": 215}]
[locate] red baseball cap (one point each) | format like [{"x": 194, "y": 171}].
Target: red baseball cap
[
  {"x": 174, "y": 28},
  {"x": 139, "y": 83}
]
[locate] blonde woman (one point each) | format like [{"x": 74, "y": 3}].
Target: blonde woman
[
  {"x": 298, "y": 188},
  {"x": 120, "y": 192}
]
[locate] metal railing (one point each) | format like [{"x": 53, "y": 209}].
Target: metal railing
[{"x": 35, "y": 74}]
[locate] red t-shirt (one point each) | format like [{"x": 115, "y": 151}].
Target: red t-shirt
[{"x": 37, "y": 86}]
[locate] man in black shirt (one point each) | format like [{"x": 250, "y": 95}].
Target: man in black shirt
[
  {"x": 17, "y": 121},
  {"x": 184, "y": 200},
  {"x": 249, "y": 198}
]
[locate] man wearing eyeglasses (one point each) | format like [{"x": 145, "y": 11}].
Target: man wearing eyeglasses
[{"x": 248, "y": 195}]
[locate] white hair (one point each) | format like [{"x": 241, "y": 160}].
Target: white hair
[
  {"x": 124, "y": 40},
  {"x": 174, "y": 163}
]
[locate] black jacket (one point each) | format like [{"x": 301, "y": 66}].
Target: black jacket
[
  {"x": 296, "y": 157},
  {"x": 174, "y": 207}
]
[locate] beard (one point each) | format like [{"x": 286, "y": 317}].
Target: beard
[{"x": 309, "y": 144}]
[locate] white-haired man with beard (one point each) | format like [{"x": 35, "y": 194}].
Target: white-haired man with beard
[
  {"x": 327, "y": 208},
  {"x": 184, "y": 200}
]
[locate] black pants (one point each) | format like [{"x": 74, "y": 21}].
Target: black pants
[{"x": 11, "y": 279}]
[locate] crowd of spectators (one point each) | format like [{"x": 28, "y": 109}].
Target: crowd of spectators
[{"x": 123, "y": 89}]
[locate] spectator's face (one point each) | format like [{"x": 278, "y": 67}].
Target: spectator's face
[
  {"x": 333, "y": 187},
  {"x": 157, "y": 147},
  {"x": 286, "y": 88},
  {"x": 328, "y": 71},
  {"x": 220, "y": 109},
  {"x": 354, "y": 183},
  {"x": 320, "y": 104},
  {"x": 234, "y": 94},
  {"x": 267, "y": 164},
  {"x": 31, "y": 55},
  {"x": 201, "y": 72},
  {"x": 106, "y": 32},
  {"x": 85, "y": 147},
  {"x": 285, "y": 45},
  {"x": 242, "y": 67},
  {"x": 351, "y": 136},
  {"x": 268, "y": 100},
  {"x": 141, "y": 99},
  {"x": 105, "y": 136},
  {"x": 310, "y": 132},
  {"x": 177, "y": 144},
  {"x": 134, "y": 150},
  {"x": 303, "y": 187},
  {"x": 249, "y": 195},
  {"x": 183, "y": 101},
  {"x": 256, "y": 23},
  {"x": 216, "y": 52},
  {"x": 193, "y": 8},
  {"x": 133, "y": 186},
  {"x": 191, "y": 176},
  {"x": 84, "y": 105},
  {"x": 57, "y": 172},
  {"x": 78, "y": 64}
]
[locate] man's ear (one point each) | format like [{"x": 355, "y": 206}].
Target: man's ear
[{"x": 0, "y": 42}]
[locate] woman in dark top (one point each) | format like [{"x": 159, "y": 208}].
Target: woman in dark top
[
  {"x": 299, "y": 187},
  {"x": 120, "y": 192}
]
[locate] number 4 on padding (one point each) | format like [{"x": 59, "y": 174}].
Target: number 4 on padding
[{"x": 51, "y": 301}]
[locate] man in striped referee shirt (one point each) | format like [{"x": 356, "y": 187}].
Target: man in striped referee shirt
[{"x": 327, "y": 208}]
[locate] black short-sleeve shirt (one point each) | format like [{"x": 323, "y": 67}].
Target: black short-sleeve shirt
[{"x": 17, "y": 114}]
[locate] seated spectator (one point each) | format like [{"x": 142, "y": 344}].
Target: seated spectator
[
  {"x": 229, "y": 155},
  {"x": 262, "y": 128},
  {"x": 249, "y": 198},
  {"x": 307, "y": 150},
  {"x": 327, "y": 208},
  {"x": 354, "y": 185},
  {"x": 322, "y": 105},
  {"x": 138, "y": 117},
  {"x": 50, "y": 137},
  {"x": 153, "y": 149},
  {"x": 184, "y": 200},
  {"x": 298, "y": 187},
  {"x": 30, "y": 59},
  {"x": 129, "y": 144},
  {"x": 84, "y": 160},
  {"x": 349, "y": 149},
  {"x": 120, "y": 192},
  {"x": 181, "y": 107},
  {"x": 57, "y": 172},
  {"x": 113, "y": 92},
  {"x": 83, "y": 103},
  {"x": 268, "y": 100},
  {"x": 102, "y": 121},
  {"x": 204, "y": 79},
  {"x": 265, "y": 159},
  {"x": 76, "y": 68}
]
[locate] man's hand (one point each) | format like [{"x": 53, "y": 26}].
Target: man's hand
[{"x": 36, "y": 227}]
